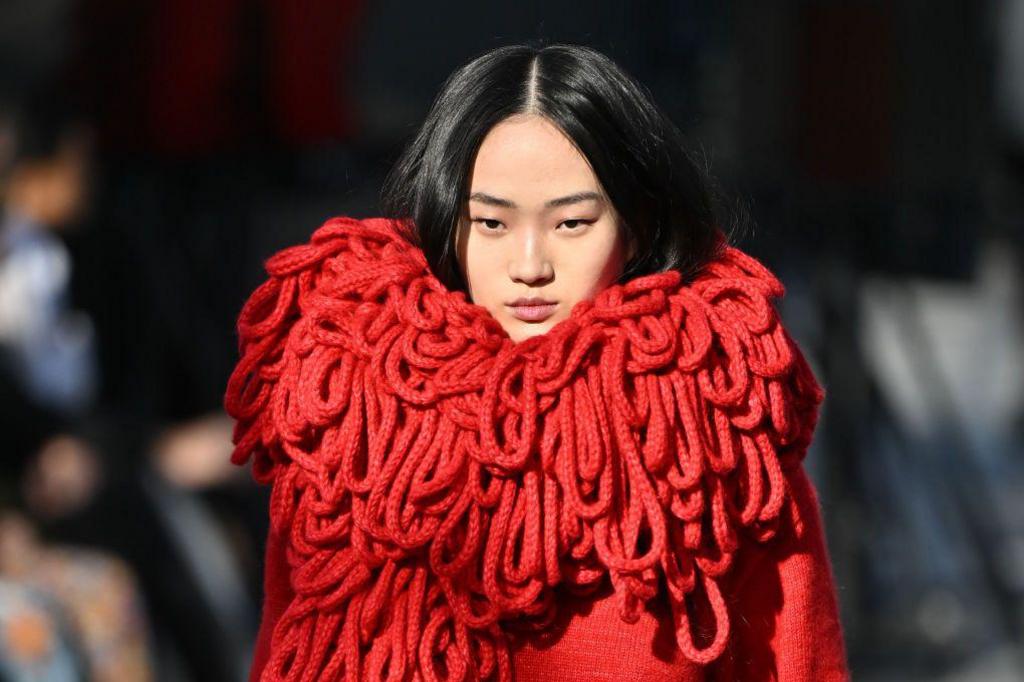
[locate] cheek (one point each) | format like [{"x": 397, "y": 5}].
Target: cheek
[
  {"x": 481, "y": 272},
  {"x": 589, "y": 270}
]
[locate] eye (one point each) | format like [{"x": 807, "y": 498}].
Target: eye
[
  {"x": 490, "y": 224},
  {"x": 575, "y": 224}
]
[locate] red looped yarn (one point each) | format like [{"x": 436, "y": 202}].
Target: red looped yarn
[{"x": 434, "y": 478}]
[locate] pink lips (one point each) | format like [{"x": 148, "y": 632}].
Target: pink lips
[{"x": 532, "y": 309}]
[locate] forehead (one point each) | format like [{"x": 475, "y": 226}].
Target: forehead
[{"x": 528, "y": 158}]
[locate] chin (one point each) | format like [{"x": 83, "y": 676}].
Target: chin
[{"x": 520, "y": 331}]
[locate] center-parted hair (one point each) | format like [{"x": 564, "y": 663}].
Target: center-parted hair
[{"x": 666, "y": 201}]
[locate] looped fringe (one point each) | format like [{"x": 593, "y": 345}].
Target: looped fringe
[{"x": 435, "y": 478}]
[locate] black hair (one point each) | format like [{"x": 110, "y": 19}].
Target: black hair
[
  {"x": 38, "y": 125},
  {"x": 665, "y": 199}
]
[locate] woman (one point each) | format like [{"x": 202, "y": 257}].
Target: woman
[{"x": 540, "y": 422}]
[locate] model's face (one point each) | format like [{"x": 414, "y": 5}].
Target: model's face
[{"x": 538, "y": 225}]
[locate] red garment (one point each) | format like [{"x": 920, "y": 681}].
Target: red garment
[
  {"x": 621, "y": 496},
  {"x": 785, "y": 619}
]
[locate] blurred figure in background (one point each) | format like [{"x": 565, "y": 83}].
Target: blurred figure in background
[
  {"x": 50, "y": 347},
  {"x": 47, "y": 355},
  {"x": 85, "y": 601},
  {"x": 37, "y": 644}
]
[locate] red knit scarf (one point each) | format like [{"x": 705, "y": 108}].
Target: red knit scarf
[{"x": 435, "y": 478}]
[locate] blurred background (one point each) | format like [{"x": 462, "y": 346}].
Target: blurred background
[{"x": 154, "y": 152}]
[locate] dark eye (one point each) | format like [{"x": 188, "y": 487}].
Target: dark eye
[
  {"x": 490, "y": 223},
  {"x": 575, "y": 223}
]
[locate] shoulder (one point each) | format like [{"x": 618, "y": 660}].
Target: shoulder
[{"x": 345, "y": 262}]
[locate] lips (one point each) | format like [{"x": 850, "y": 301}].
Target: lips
[{"x": 532, "y": 310}]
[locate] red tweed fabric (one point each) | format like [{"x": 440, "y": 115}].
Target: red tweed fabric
[{"x": 598, "y": 502}]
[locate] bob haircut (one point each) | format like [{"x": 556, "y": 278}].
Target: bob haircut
[{"x": 665, "y": 202}]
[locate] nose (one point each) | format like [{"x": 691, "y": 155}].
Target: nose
[{"x": 530, "y": 263}]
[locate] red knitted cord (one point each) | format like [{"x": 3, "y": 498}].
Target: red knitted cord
[{"x": 436, "y": 479}]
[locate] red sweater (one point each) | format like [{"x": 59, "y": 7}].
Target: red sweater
[{"x": 782, "y": 603}]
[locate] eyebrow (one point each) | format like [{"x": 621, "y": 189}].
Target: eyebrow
[{"x": 576, "y": 198}]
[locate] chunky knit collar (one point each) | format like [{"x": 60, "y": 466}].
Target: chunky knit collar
[{"x": 436, "y": 479}]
